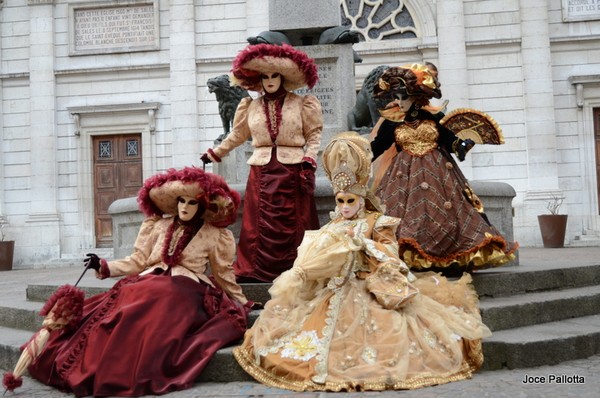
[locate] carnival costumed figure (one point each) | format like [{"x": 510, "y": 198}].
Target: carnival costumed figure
[
  {"x": 349, "y": 315},
  {"x": 158, "y": 327},
  {"x": 443, "y": 224},
  {"x": 285, "y": 129}
]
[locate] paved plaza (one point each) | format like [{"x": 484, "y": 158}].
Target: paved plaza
[{"x": 577, "y": 379}]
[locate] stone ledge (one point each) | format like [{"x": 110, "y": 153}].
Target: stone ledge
[{"x": 496, "y": 197}]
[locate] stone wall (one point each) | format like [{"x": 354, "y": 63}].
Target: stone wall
[{"x": 528, "y": 64}]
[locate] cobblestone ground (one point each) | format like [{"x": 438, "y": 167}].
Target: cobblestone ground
[{"x": 577, "y": 379}]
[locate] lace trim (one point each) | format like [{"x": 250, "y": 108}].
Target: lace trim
[
  {"x": 327, "y": 332},
  {"x": 337, "y": 285},
  {"x": 272, "y": 109},
  {"x": 263, "y": 376}
]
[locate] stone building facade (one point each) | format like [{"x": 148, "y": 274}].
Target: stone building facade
[{"x": 80, "y": 78}]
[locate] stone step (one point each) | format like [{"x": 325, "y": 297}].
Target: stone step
[
  {"x": 513, "y": 300},
  {"x": 544, "y": 344},
  {"x": 526, "y": 347},
  {"x": 506, "y": 281},
  {"x": 41, "y": 292},
  {"x": 24, "y": 315},
  {"x": 497, "y": 282},
  {"x": 500, "y": 313}
]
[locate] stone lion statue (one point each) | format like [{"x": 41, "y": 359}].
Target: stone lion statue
[
  {"x": 228, "y": 97},
  {"x": 363, "y": 116}
]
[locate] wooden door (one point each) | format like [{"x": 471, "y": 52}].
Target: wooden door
[
  {"x": 596, "y": 112},
  {"x": 117, "y": 175}
]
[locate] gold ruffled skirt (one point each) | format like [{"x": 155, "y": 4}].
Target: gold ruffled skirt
[{"x": 346, "y": 341}]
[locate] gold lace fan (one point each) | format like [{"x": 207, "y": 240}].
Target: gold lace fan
[{"x": 472, "y": 124}]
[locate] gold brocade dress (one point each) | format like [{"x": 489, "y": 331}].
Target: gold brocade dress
[
  {"x": 350, "y": 316},
  {"x": 443, "y": 222}
]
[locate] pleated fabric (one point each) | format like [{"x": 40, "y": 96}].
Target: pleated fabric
[{"x": 148, "y": 334}]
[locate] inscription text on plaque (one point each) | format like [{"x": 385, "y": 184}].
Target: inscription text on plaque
[{"x": 114, "y": 29}]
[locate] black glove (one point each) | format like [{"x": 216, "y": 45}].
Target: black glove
[
  {"x": 462, "y": 147},
  {"x": 306, "y": 170},
  {"x": 205, "y": 159},
  {"x": 253, "y": 305},
  {"x": 92, "y": 261}
]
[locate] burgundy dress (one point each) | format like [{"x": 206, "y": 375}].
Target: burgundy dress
[
  {"x": 279, "y": 203},
  {"x": 279, "y": 206},
  {"x": 154, "y": 332}
]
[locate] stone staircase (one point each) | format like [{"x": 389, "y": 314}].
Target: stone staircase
[{"x": 539, "y": 315}]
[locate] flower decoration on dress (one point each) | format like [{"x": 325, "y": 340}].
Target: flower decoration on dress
[{"x": 303, "y": 347}]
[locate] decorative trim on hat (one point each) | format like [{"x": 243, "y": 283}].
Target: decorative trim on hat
[
  {"x": 158, "y": 196},
  {"x": 296, "y": 67},
  {"x": 343, "y": 179},
  {"x": 347, "y": 164}
]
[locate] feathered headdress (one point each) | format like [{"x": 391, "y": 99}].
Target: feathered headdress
[
  {"x": 297, "y": 69},
  {"x": 160, "y": 192}
]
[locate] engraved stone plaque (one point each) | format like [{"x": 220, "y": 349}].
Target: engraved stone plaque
[
  {"x": 335, "y": 89},
  {"x": 113, "y": 28},
  {"x": 580, "y": 10},
  {"x": 326, "y": 91}
]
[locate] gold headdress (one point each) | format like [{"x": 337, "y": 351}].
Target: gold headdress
[{"x": 347, "y": 163}]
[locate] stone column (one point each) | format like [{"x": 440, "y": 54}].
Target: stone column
[
  {"x": 538, "y": 95},
  {"x": 2, "y": 182},
  {"x": 540, "y": 124},
  {"x": 452, "y": 53},
  {"x": 42, "y": 229},
  {"x": 453, "y": 60},
  {"x": 184, "y": 94}
]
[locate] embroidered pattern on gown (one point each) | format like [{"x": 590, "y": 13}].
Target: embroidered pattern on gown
[
  {"x": 323, "y": 330},
  {"x": 424, "y": 187}
]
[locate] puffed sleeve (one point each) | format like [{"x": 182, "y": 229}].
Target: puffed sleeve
[
  {"x": 320, "y": 261},
  {"x": 384, "y": 233},
  {"x": 240, "y": 131},
  {"x": 221, "y": 259},
  {"x": 137, "y": 261},
  {"x": 390, "y": 282},
  {"x": 312, "y": 125}
]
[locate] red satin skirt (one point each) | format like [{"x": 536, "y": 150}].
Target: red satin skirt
[
  {"x": 147, "y": 335},
  {"x": 279, "y": 205}
]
